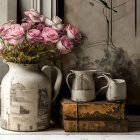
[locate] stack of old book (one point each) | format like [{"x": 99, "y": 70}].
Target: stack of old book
[{"x": 98, "y": 116}]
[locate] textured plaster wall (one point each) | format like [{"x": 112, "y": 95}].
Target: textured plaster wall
[{"x": 113, "y": 48}]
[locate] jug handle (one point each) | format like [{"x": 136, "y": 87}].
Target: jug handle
[
  {"x": 57, "y": 82},
  {"x": 67, "y": 80},
  {"x": 106, "y": 86}
]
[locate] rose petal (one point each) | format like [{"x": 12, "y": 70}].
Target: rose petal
[
  {"x": 34, "y": 35},
  {"x": 16, "y": 42},
  {"x": 58, "y": 27},
  {"x": 34, "y": 12},
  {"x": 57, "y": 20},
  {"x": 34, "y": 19},
  {"x": 49, "y": 22},
  {"x": 26, "y": 26},
  {"x": 28, "y": 20}
]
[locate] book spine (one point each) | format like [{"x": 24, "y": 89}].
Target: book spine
[{"x": 96, "y": 126}]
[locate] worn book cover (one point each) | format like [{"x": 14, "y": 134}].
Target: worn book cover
[
  {"x": 93, "y": 116},
  {"x": 96, "y": 110}
]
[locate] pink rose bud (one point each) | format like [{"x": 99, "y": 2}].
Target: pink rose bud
[
  {"x": 40, "y": 26},
  {"x": 33, "y": 35},
  {"x": 57, "y": 20},
  {"x": 50, "y": 35},
  {"x": 65, "y": 45},
  {"x": 31, "y": 11},
  {"x": 15, "y": 34},
  {"x": 34, "y": 15},
  {"x": 28, "y": 20},
  {"x": 26, "y": 26},
  {"x": 49, "y": 22},
  {"x": 73, "y": 33}
]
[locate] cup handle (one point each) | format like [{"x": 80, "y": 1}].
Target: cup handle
[
  {"x": 106, "y": 86},
  {"x": 67, "y": 80}
]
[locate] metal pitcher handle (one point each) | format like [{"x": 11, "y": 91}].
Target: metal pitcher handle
[
  {"x": 107, "y": 85},
  {"x": 67, "y": 80}
]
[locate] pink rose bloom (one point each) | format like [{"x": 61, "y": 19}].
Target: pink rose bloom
[
  {"x": 40, "y": 26},
  {"x": 50, "y": 35},
  {"x": 33, "y": 35},
  {"x": 15, "y": 34},
  {"x": 28, "y": 20},
  {"x": 34, "y": 15},
  {"x": 26, "y": 26},
  {"x": 65, "y": 45},
  {"x": 5, "y": 27},
  {"x": 73, "y": 33}
]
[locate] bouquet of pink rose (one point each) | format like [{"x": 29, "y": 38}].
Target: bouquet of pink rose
[{"x": 36, "y": 36}]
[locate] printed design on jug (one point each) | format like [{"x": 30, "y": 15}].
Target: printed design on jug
[
  {"x": 28, "y": 109},
  {"x": 43, "y": 108}
]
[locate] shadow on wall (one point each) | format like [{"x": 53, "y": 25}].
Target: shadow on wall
[
  {"x": 119, "y": 64},
  {"x": 115, "y": 61}
]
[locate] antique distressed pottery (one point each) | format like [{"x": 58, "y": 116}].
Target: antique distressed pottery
[
  {"x": 26, "y": 98},
  {"x": 83, "y": 85},
  {"x": 116, "y": 89}
]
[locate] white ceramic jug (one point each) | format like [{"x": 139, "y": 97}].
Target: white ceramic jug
[
  {"x": 116, "y": 89},
  {"x": 83, "y": 85},
  {"x": 26, "y": 97}
]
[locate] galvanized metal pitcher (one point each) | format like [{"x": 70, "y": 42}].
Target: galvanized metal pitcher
[{"x": 83, "y": 85}]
